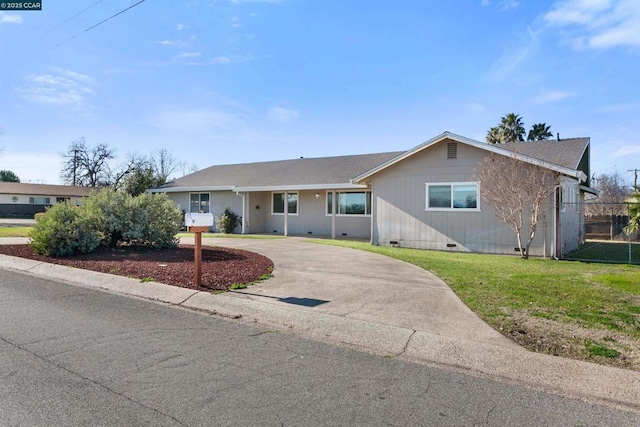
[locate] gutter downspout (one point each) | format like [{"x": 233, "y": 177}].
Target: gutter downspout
[{"x": 334, "y": 202}]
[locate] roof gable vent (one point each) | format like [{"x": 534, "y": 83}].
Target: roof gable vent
[{"x": 452, "y": 150}]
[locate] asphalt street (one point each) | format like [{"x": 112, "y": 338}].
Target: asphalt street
[{"x": 76, "y": 356}]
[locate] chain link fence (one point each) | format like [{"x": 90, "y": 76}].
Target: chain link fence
[{"x": 607, "y": 237}]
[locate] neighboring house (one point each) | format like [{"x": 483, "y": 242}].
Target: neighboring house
[
  {"x": 385, "y": 198},
  {"x": 20, "y": 199}
]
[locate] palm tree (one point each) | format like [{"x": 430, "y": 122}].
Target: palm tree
[
  {"x": 540, "y": 132},
  {"x": 634, "y": 211},
  {"x": 511, "y": 128},
  {"x": 494, "y": 136}
]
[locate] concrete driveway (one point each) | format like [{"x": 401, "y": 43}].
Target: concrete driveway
[{"x": 359, "y": 285}]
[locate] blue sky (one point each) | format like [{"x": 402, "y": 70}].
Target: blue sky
[{"x": 233, "y": 81}]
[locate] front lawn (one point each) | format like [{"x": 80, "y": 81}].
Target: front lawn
[
  {"x": 15, "y": 231},
  {"x": 571, "y": 309}
]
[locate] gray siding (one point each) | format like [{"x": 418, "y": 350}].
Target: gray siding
[
  {"x": 312, "y": 220},
  {"x": 401, "y": 215}
]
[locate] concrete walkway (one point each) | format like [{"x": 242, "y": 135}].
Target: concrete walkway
[{"x": 373, "y": 303}]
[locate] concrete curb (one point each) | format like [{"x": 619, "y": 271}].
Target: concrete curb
[{"x": 586, "y": 381}]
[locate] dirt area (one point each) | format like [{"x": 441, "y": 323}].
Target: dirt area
[
  {"x": 221, "y": 267},
  {"x": 567, "y": 340}
]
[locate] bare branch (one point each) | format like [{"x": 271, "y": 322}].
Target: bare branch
[{"x": 517, "y": 192}]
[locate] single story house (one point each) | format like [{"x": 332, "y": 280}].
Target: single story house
[
  {"x": 25, "y": 200},
  {"x": 387, "y": 198}
]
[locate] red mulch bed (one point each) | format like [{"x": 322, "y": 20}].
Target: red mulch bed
[{"x": 221, "y": 267}]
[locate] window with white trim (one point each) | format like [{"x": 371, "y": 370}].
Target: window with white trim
[
  {"x": 453, "y": 196},
  {"x": 350, "y": 203},
  {"x": 39, "y": 200},
  {"x": 199, "y": 203},
  {"x": 277, "y": 203}
]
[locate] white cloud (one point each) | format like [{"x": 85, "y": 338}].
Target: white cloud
[
  {"x": 172, "y": 43},
  {"x": 508, "y": 4},
  {"x": 549, "y": 96},
  {"x": 193, "y": 120},
  {"x": 232, "y": 59},
  {"x": 189, "y": 55},
  {"x": 626, "y": 150},
  {"x": 598, "y": 23},
  {"x": 180, "y": 27},
  {"x": 513, "y": 56},
  {"x": 281, "y": 114},
  {"x": 235, "y": 22},
  {"x": 10, "y": 18},
  {"x": 62, "y": 88}
]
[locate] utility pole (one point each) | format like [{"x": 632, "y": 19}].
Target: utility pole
[
  {"x": 75, "y": 165},
  {"x": 635, "y": 176}
]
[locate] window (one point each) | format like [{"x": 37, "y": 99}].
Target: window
[
  {"x": 350, "y": 203},
  {"x": 14, "y": 199},
  {"x": 277, "y": 203},
  {"x": 40, "y": 200},
  {"x": 199, "y": 203},
  {"x": 62, "y": 199},
  {"x": 462, "y": 195}
]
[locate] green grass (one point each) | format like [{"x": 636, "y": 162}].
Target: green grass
[
  {"x": 500, "y": 288},
  {"x": 15, "y": 231}
]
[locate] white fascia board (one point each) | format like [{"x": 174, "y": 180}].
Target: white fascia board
[
  {"x": 341, "y": 186},
  {"x": 189, "y": 189},
  {"x": 493, "y": 148},
  {"x": 589, "y": 190}
]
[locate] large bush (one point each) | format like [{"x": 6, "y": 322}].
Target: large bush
[
  {"x": 64, "y": 230},
  {"x": 108, "y": 218},
  {"x": 227, "y": 222}
]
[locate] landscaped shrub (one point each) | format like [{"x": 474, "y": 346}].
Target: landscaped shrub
[
  {"x": 158, "y": 220},
  {"x": 62, "y": 231},
  {"x": 108, "y": 218},
  {"x": 227, "y": 222},
  {"x": 38, "y": 215}
]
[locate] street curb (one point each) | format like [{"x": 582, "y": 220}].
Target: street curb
[{"x": 511, "y": 364}]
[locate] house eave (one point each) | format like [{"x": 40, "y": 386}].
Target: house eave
[
  {"x": 309, "y": 187},
  {"x": 191, "y": 189}
]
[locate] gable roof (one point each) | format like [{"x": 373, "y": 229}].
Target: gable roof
[
  {"x": 303, "y": 173},
  {"x": 44, "y": 189},
  {"x": 566, "y": 152},
  {"x": 540, "y": 153}
]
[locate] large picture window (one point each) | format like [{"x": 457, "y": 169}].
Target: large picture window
[
  {"x": 350, "y": 203},
  {"x": 199, "y": 203},
  {"x": 40, "y": 200},
  {"x": 445, "y": 196},
  {"x": 277, "y": 203}
]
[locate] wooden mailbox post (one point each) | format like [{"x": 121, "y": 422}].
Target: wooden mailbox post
[{"x": 198, "y": 223}]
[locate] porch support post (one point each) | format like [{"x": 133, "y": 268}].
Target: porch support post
[
  {"x": 286, "y": 213},
  {"x": 333, "y": 214}
]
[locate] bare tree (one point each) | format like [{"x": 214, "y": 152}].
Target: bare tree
[
  {"x": 612, "y": 192},
  {"x": 187, "y": 168},
  {"x": 518, "y": 193},
  {"x": 164, "y": 164},
  {"x": 87, "y": 166}
]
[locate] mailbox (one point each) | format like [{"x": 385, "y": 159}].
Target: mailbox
[{"x": 198, "y": 219}]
